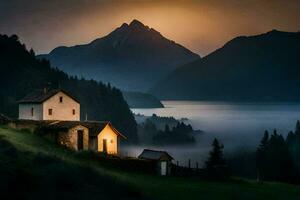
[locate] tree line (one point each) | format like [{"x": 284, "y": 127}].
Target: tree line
[
  {"x": 277, "y": 158},
  {"x": 177, "y": 133}
]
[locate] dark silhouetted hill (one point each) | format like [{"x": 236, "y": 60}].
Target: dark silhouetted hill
[
  {"x": 264, "y": 67},
  {"x": 141, "y": 100}
]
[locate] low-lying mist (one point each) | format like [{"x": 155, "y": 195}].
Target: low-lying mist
[{"x": 238, "y": 126}]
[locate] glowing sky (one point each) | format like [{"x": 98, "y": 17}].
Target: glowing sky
[{"x": 201, "y": 26}]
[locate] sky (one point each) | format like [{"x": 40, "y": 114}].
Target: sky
[{"x": 202, "y": 26}]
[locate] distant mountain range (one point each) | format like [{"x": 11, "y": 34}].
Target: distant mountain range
[
  {"x": 132, "y": 57},
  {"x": 264, "y": 67}
]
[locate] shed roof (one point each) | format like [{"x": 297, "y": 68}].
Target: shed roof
[
  {"x": 39, "y": 96},
  {"x": 95, "y": 127},
  {"x": 149, "y": 154}
]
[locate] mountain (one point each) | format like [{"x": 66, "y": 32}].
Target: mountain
[
  {"x": 141, "y": 100},
  {"x": 132, "y": 57},
  {"x": 264, "y": 67},
  {"x": 21, "y": 73}
]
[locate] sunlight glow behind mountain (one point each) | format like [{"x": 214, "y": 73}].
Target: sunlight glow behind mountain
[{"x": 201, "y": 26}]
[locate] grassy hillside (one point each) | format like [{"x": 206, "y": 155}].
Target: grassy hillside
[{"x": 32, "y": 167}]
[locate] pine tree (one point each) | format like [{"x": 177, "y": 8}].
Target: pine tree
[
  {"x": 293, "y": 143},
  {"x": 215, "y": 155},
  {"x": 297, "y": 128},
  {"x": 167, "y": 129},
  {"x": 297, "y": 138},
  {"x": 32, "y": 53},
  {"x": 290, "y": 138},
  {"x": 261, "y": 156},
  {"x": 264, "y": 141}
]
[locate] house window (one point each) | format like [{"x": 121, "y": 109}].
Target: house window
[
  {"x": 111, "y": 141},
  {"x": 73, "y": 111},
  {"x": 32, "y": 110},
  {"x": 50, "y": 111},
  {"x": 60, "y": 99}
]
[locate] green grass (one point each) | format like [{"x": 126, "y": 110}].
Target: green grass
[{"x": 155, "y": 187}]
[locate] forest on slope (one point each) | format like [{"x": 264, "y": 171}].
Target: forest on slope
[{"x": 21, "y": 72}]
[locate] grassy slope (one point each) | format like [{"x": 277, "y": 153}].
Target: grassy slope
[
  {"x": 33, "y": 168},
  {"x": 152, "y": 186}
]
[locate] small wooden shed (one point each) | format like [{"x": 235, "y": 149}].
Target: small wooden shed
[{"x": 162, "y": 159}]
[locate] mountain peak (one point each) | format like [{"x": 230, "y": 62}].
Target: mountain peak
[
  {"x": 134, "y": 26},
  {"x": 136, "y": 23},
  {"x": 124, "y": 25},
  {"x": 275, "y": 32},
  {"x": 139, "y": 55}
]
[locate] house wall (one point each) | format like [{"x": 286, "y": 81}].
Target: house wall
[
  {"x": 61, "y": 110},
  {"x": 69, "y": 139},
  {"x": 111, "y": 138},
  {"x": 25, "y": 111}
]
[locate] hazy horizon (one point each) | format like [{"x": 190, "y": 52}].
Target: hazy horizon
[{"x": 201, "y": 26}]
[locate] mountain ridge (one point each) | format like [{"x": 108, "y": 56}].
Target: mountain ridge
[
  {"x": 247, "y": 68},
  {"x": 131, "y": 57}
]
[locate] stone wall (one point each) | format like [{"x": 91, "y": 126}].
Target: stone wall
[
  {"x": 30, "y": 125},
  {"x": 70, "y": 138}
]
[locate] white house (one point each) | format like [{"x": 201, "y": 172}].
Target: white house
[
  {"x": 57, "y": 114},
  {"x": 49, "y": 105}
]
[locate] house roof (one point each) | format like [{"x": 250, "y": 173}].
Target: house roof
[
  {"x": 149, "y": 154},
  {"x": 95, "y": 127},
  {"x": 39, "y": 96}
]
